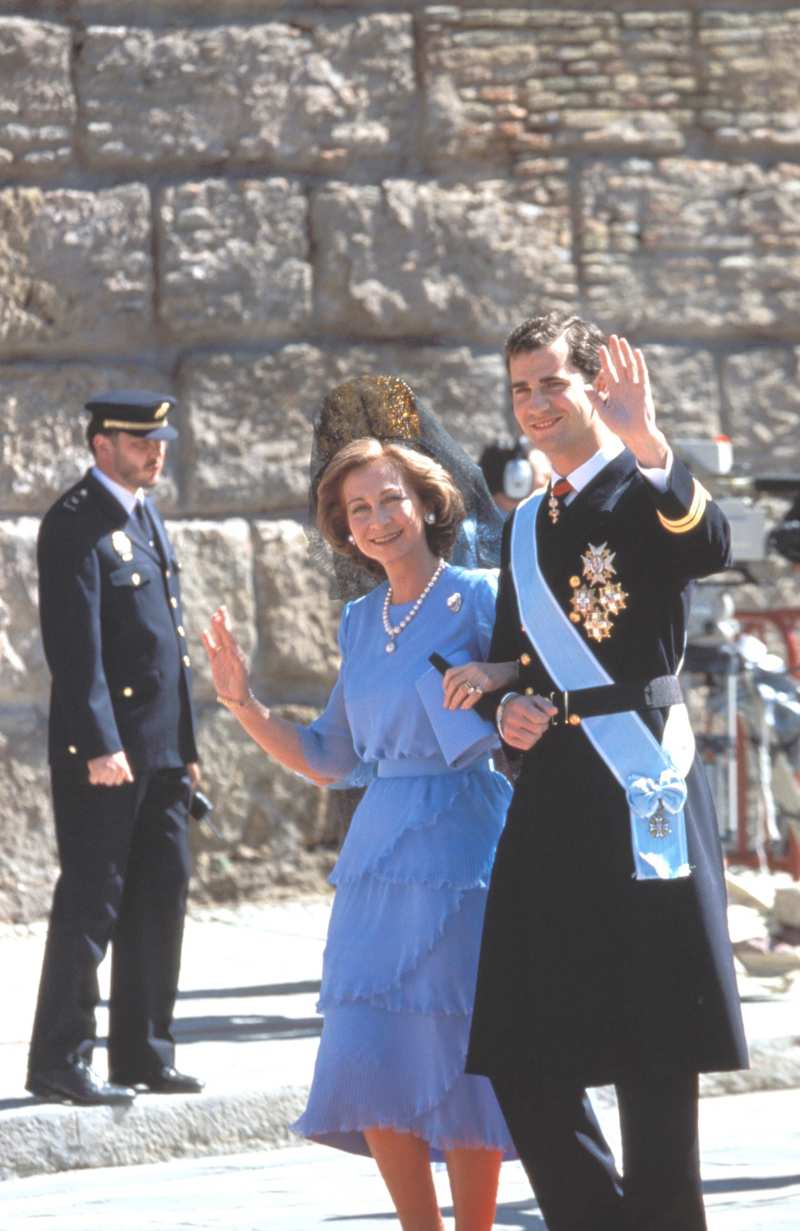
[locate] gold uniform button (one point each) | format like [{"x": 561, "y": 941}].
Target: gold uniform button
[
  {"x": 574, "y": 720},
  {"x": 187, "y": 662},
  {"x": 181, "y": 631},
  {"x": 528, "y": 692},
  {"x": 136, "y": 579},
  {"x": 525, "y": 660},
  {"x": 127, "y": 692},
  {"x": 574, "y": 582},
  {"x": 72, "y": 750},
  {"x": 173, "y": 601},
  {"x": 576, "y": 619},
  {"x": 167, "y": 572}
]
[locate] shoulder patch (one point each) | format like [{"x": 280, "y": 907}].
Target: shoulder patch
[{"x": 74, "y": 499}]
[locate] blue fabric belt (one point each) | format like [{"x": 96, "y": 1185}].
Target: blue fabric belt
[{"x": 413, "y": 767}]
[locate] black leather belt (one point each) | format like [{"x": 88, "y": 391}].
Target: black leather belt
[{"x": 655, "y": 694}]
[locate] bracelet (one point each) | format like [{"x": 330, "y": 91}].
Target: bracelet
[
  {"x": 498, "y": 718},
  {"x": 239, "y": 704}
]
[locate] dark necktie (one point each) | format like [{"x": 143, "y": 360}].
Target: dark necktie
[
  {"x": 557, "y": 493},
  {"x": 145, "y": 526}
]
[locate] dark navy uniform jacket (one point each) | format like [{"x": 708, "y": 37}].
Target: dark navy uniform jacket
[
  {"x": 113, "y": 634},
  {"x": 587, "y": 974}
]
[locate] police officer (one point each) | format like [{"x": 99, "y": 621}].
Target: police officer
[{"x": 123, "y": 764}]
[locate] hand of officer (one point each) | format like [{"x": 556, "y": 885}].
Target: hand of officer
[
  {"x": 226, "y": 658},
  {"x": 525, "y": 720},
  {"x": 624, "y": 401},
  {"x": 193, "y": 770},
  {"x": 465, "y": 685},
  {"x": 110, "y": 770}
]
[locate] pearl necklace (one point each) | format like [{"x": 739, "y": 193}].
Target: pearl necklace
[{"x": 395, "y": 630}]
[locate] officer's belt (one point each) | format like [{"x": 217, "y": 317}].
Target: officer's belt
[{"x": 578, "y": 703}]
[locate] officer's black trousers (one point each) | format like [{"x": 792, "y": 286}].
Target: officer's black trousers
[
  {"x": 571, "y": 1167},
  {"x": 124, "y": 878}
]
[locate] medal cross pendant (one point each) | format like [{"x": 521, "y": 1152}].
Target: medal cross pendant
[{"x": 660, "y": 826}]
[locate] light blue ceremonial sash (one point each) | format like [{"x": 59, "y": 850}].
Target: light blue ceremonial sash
[{"x": 655, "y": 791}]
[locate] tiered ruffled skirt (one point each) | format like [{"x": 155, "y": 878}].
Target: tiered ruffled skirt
[{"x": 400, "y": 967}]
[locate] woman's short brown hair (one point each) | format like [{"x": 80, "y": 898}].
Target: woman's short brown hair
[{"x": 431, "y": 482}]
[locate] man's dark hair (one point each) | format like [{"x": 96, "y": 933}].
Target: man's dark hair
[
  {"x": 583, "y": 339},
  {"x": 93, "y": 429}
]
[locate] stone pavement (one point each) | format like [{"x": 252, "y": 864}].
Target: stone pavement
[
  {"x": 246, "y": 1022},
  {"x": 751, "y": 1182}
]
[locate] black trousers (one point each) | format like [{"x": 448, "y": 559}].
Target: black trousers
[
  {"x": 572, "y": 1170},
  {"x": 124, "y": 857}
]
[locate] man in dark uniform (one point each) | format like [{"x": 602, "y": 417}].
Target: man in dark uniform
[
  {"x": 603, "y": 961},
  {"x": 123, "y": 764}
]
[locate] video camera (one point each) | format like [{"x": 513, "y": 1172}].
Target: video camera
[{"x": 711, "y": 460}]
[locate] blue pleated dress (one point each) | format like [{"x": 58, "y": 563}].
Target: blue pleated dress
[{"x": 402, "y": 950}]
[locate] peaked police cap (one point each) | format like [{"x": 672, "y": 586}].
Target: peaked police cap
[{"x": 137, "y": 411}]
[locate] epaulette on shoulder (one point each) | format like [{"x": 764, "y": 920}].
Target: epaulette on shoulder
[{"x": 74, "y": 499}]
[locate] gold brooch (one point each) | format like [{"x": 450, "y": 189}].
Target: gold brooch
[{"x": 597, "y": 598}]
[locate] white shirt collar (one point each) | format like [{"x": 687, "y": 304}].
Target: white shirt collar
[
  {"x": 127, "y": 499},
  {"x": 583, "y": 474}
]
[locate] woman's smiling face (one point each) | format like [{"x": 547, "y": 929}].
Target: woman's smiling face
[{"x": 384, "y": 514}]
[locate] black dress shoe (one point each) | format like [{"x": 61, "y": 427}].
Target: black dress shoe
[
  {"x": 77, "y": 1083},
  {"x": 167, "y": 1081}
]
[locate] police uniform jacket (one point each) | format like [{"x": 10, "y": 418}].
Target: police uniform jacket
[
  {"x": 113, "y": 635},
  {"x": 586, "y": 974}
]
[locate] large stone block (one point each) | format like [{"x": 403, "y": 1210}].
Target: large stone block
[
  {"x": 427, "y": 260},
  {"x": 505, "y": 83},
  {"x": 235, "y": 259},
  {"x": 43, "y": 447},
  {"x": 251, "y": 414},
  {"x": 23, "y": 672},
  {"x": 27, "y": 844},
  {"x": 749, "y": 71},
  {"x": 309, "y": 93},
  {"x": 764, "y": 407},
  {"x": 37, "y": 106},
  {"x": 691, "y": 246},
  {"x": 216, "y": 562},
  {"x": 297, "y": 622},
  {"x": 685, "y": 389},
  {"x": 75, "y": 269},
  {"x": 273, "y": 823}
]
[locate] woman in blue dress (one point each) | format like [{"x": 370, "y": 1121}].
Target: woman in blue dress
[{"x": 402, "y": 949}]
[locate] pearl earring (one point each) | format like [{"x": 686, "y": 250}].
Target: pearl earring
[
  {"x": 350, "y": 538},
  {"x": 430, "y": 519}
]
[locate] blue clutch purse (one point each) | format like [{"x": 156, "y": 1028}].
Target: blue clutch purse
[{"x": 462, "y": 735}]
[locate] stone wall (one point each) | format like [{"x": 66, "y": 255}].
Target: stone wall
[{"x": 244, "y": 201}]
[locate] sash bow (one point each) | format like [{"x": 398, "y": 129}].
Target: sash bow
[{"x": 646, "y": 794}]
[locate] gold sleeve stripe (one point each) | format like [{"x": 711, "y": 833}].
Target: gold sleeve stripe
[
  {"x": 126, "y": 425},
  {"x": 682, "y": 525}
]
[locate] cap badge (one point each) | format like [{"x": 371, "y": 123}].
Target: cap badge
[
  {"x": 454, "y": 602},
  {"x": 122, "y": 545},
  {"x": 161, "y": 410}
]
